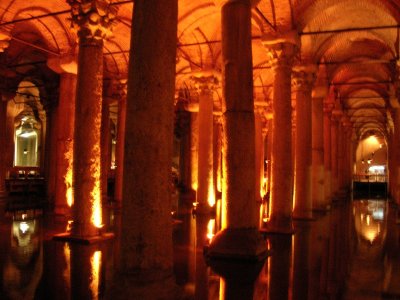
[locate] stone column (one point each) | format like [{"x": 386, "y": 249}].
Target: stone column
[
  {"x": 4, "y": 43},
  {"x": 62, "y": 120},
  {"x": 395, "y": 156},
  {"x": 281, "y": 54},
  {"x": 217, "y": 155},
  {"x": 93, "y": 19},
  {"x": 259, "y": 150},
  {"x": 65, "y": 143},
  {"x": 205, "y": 84},
  {"x": 336, "y": 116},
  {"x": 239, "y": 236},
  {"x": 194, "y": 149},
  {"x": 318, "y": 170},
  {"x": 146, "y": 257},
  {"x": 3, "y": 127},
  {"x": 105, "y": 148},
  {"x": 119, "y": 147},
  {"x": 303, "y": 82},
  {"x": 327, "y": 153}
]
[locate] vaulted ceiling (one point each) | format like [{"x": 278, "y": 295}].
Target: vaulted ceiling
[{"x": 355, "y": 45}]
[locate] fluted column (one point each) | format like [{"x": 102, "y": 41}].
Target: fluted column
[
  {"x": 281, "y": 54},
  {"x": 121, "y": 88},
  {"x": 93, "y": 20},
  {"x": 239, "y": 236},
  {"x": 318, "y": 168},
  {"x": 205, "y": 84},
  {"x": 303, "y": 83}
]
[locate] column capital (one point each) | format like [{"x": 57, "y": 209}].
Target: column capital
[
  {"x": 94, "y": 18},
  {"x": 304, "y": 77},
  {"x": 5, "y": 38},
  {"x": 205, "y": 82},
  {"x": 221, "y": 3},
  {"x": 282, "y": 49},
  {"x": 65, "y": 63}
]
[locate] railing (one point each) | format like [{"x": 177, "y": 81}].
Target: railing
[{"x": 369, "y": 177}]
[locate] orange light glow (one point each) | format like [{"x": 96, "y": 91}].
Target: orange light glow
[
  {"x": 211, "y": 195},
  {"x": 95, "y": 262},
  {"x": 263, "y": 189},
  {"x": 68, "y": 176},
  {"x": 67, "y": 271},
  {"x": 211, "y": 229},
  {"x": 96, "y": 206}
]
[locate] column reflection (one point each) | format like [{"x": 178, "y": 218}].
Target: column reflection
[{"x": 23, "y": 268}]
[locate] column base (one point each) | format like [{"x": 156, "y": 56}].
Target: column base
[
  {"x": 280, "y": 225},
  {"x": 68, "y": 237},
  {"x": 149, "y": 284},
  {"x": 244, "y": 244}
]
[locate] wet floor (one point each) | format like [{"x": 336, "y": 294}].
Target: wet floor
[{"x": 350, "y": 253}]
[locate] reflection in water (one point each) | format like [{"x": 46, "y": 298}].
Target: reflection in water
[
  {"x": 314, "y": 263},
  {"x": 369, "y": 220},
  {"x": 24, "y": 266},
  {"x": 95, "y": 262}
]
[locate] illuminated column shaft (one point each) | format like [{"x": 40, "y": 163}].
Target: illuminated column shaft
[
  {"x": 217, "y": 153},
  {"x": 119, "y": 151},
  {"x": 303, "y": 82},
  {"x": 396, "y": 156},
  {"x": 205, "y": 188},
  {"x": 105, "y": 146},
  {"x": 88, "y": 112},
  {"x": 259, "y": 156},
  {"x": 239, "y": 219},
  {"x": 146, "y": 232},
  {"x": 3, "y": 168},
  {"x": 194, "y": 149},
  {"x": 281, "y": 165},
  {"x": 334, "y": 154},
  {"x": 327, "y": 154},
  {"x": 318, "y": 172},
  {"x": 340, "y": 155},
  {"x": 65, "y": 143}
]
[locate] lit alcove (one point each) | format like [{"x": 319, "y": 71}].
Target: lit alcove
[{"x": 27, "y": 137}]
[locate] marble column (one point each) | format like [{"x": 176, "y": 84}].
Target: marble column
[
  {"x": 3, "y": 126},
  {"x": 318, "y": 168},
  {"x": 205, "y": 85},
  {"x": 327, "y": 153},
  {"x": 65, "y": 143},
  {"x": 281, "y": 54},
  {"x": 194, "y": 150},
  {"x": 303, "y": 82},
  {"x": 105, "y": 148},
  {"x": 336, "y": 116},
  {"x": 217, "y": 155},
  {"x": 146, "y": 257},
  {"x": 259, "y": 156},
  {"x": 94, "y": 20},
  {"x": 239, "y": 236},
  {"x": 395, "y": 156},
  {"x": 119, "y": 147}
]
